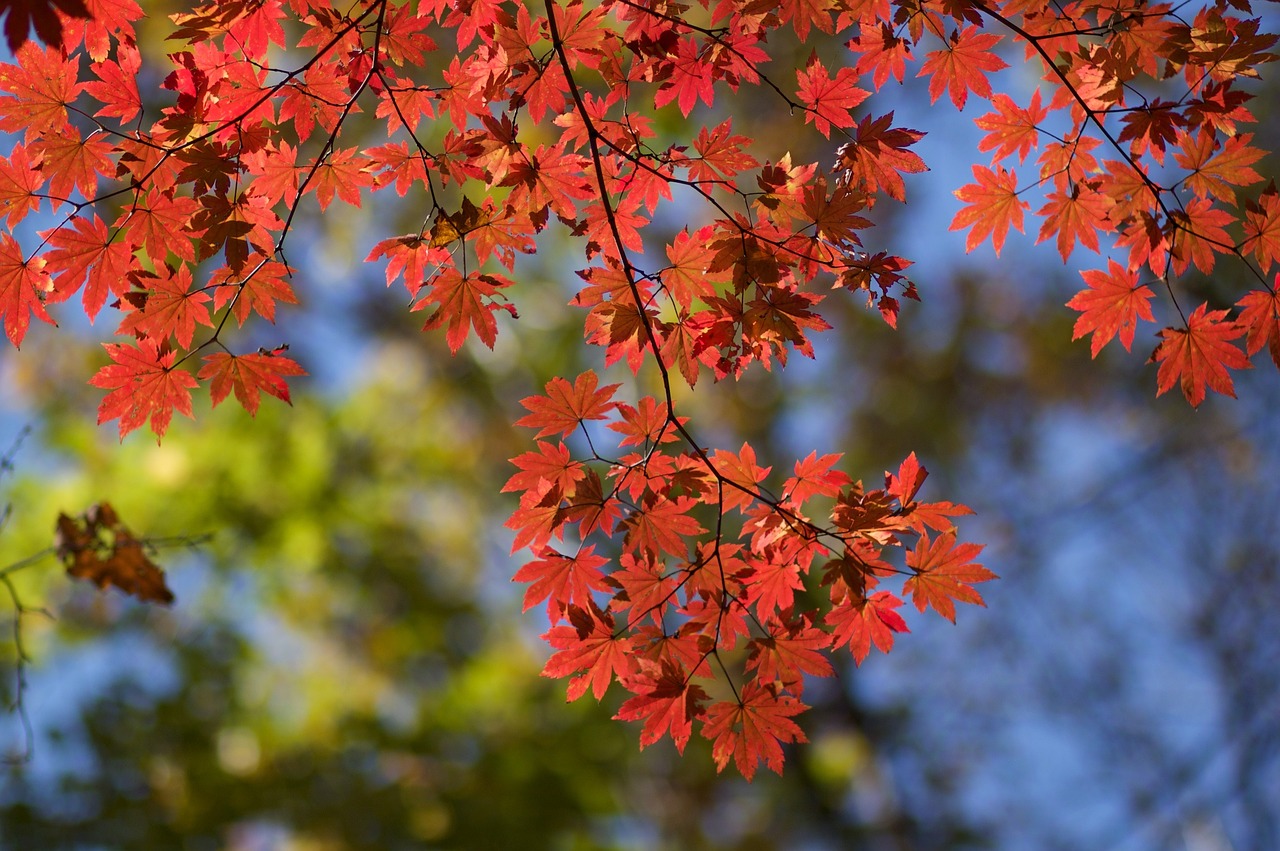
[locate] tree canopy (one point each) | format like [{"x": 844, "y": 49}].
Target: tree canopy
[{"x": 613, "y": 156}]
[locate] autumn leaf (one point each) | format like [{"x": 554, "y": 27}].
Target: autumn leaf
[
  {"x": 1260, "y": 316},
  {"x": 1198, "y": 356},
  {"x": 667, "y": 703},
  {"x": 753, "y": 730},
  {"x": 963, "y": 66},
  {"x": 588, "y": 644},
  {"x": 248, "y": 376},
  {"x": 1113, "y": 303},
  {"x": 1080, "y": 214},
  {"x": 829, "y": 101},
  {"x": 566, "y": 405},
  {"x": 862, "y": 622},
  {"x": 24, "y": 285},
  {"x": 465, "y": 303},
  {"x": 144, "y": 384},
  {"x": 562, "y": 579},
  {"x": 993, "y": 207},
  {"x": 96, "y": 546},
  {"x": 1011, "y": 128},
  {"x": 944, "y": 573}
]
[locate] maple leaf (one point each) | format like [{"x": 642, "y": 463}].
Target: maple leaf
[
  {"x": 1080, "y": 215},
  {"x": 1199, "y": 355},
  {"x": 753, "y": 729},
  {"x": 1215, "y": 172},
  {"x": 98, "y": 547},
  {"x": 905, "y": 484},
  {"x": 566, "y": 405},
  {"x": 993, "y": 207},
  {"x": 963, "y": 66},
  {"x": 814, "y": 477},
  {"x": 741, "y": 475},
  {"x": 1200, "y": 233},
  {"x": 789, "y": 650},
  {"x": 1262, "y": 227},
  {"x": 255, "y": 291},
  {"x": 944, "y": 572},
  {"x": 1011, "y": 129},
  {"x": 562, "y": 580},
  {"x": 720, "y": 154},
  {"x": 862, "y": 622},
  {"x": 465, "y": 303},
  {"x": 1260, "y": 315},
  {"x": 144, "y": 384},
  {"x": 43, "y": 84},
  {"x": 878, "y": 156},
  {"x": 23, "y": 287},
  {"x": 86, "y": 250},
  {"x": 690, "y": 79},
  {"x": 667, "y": 702},
  {"x": 646, "y": 587},
  {"x": 20, "y": 181},
  {"x": 248, "y": 376},
  {"x": 829, "y": 102},
  {"x": 661, "y": 525},
  {"x": 1113, "y": 303},
  {"x": 166, "y": 306},
  {"x": 588, "y": 643}
]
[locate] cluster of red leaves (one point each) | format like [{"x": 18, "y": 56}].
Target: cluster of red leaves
[
  {"x": 687, "y": 574},
  {"x": 711, "y": 589},
  {"x": 1140, "y": 121}
]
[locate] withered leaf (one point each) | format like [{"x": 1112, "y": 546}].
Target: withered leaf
[{"x": 97, "y": 547}]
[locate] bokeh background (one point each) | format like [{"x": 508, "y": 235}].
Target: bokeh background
[{"x": 347, "y": 666}]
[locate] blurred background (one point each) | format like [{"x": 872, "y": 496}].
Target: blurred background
[{"x": 346, "y": 665}]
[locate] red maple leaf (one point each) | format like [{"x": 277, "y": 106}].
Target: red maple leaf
[
  {"x": 248, "y": 376},
  {"x": 166, "y": 306},
  {"x": 667, "y": 702},
  {"x": 1199, "y": 355},
  {"x": 753, "y": 729},
  {"x": 963, "y": 66},
  {"x": 464, "y": 303},
  {"x": 993, "y": 207},
  {"x": 877, "y": 157},
  {"x": 86, "y": 250},
  {"x": 944, "y": 573},
  {"x": 792, "y": 648},
  {"x": 588, "y": 643},
  {"x": 43, "y": 84},
  {"x": 562, "y": 580},
  {"x": 1080, "y": 214},
  {"x": 829, "y": 101},
  {"x": 1011, "y": 128},
  {"x": 1260, "y": 315},
  {"x": 566, "y": 405},
  {"x": 24, "y": 284},
  {"x": 20, "y": 181},
  {"x": 862, "y": 622},
  {"x": 814, "y": 477},
  {"x": 1113, "y": 303},
  {"x": 1262, "y": 227},
  {"x": 144, "y": 384}
]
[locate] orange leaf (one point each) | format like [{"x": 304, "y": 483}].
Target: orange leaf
[
  {"x": 143, "y": 384},
  {"x": 1113, "y": 303},
  {"x": 248, "y": 375},
  {"x": 754, "y": 729},
  {"x": 1199, "y": 355},
  {"x": 993, "y": 207},
  {"x": 944, "y": 573}
]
